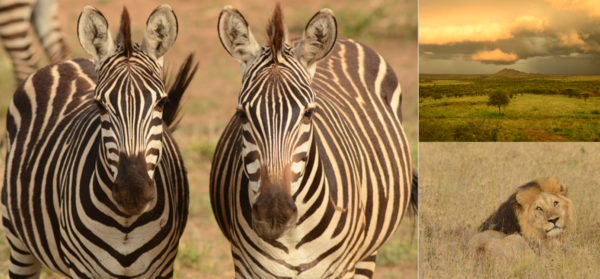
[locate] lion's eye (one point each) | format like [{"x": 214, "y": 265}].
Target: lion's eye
[
  {"x": 555, "y": 203},
  {"x": 538, "y": 208}
]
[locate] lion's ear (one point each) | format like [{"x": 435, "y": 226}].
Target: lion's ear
[
  {"x": 526, "y": 196},
  {"x": 563, "y": 189}
]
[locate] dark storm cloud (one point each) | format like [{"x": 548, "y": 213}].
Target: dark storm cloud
[{"x": 560, "y": 34}]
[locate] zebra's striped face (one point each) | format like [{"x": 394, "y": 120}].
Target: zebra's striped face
[
  {"x": 130, "y": 97},
  {"x": 276, "y": 106}
]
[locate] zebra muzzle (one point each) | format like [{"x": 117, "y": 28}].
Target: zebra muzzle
[
  {"x": 273, "y": 213},
  {"x": 133, "y": 190}
]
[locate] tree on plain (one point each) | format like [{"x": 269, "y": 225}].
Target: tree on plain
[
  {"x": 569, "y": 92},
  {"x": 498, "y": 98},
  {"x": 585, "y": 95}
]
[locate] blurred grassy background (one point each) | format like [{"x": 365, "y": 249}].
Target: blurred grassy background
[
  {"x": 463, "y": 183},
  {"x": 389, "y": 27}
]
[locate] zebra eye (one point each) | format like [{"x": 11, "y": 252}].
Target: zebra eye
[
  {"x": 307, "y": 118},
  {"x": 101, "y": 107},
  {"x": 161, "y": 104},
  {"x": 241, "y": 114}
]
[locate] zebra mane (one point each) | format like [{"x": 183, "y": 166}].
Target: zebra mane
[
  {"x": 175, "y": 86},
  {"x": 276, "y": 32},
  {"x": 125, "y": 33}
]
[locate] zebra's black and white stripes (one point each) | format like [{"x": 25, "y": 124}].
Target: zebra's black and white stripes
[
  {"x": 95, "y": 186},
  {"x": 313, "y": 173},
  {"x": 16, "y": 18}
]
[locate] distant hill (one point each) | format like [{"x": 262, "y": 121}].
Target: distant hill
[{"x": 512, "y": 73}]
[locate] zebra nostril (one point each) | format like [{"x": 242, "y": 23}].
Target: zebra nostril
[{"x": 553, "y": 221}]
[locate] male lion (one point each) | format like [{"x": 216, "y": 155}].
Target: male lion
[{"x": 537, "y": 214}]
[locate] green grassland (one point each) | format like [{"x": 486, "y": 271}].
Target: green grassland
[
  {"x": 549, "y": 108},
  {"x": 463, "y": 183},
  {"x": 211, "y": 100}
]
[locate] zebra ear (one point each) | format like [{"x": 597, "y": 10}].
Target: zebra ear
[
  {"x": 94, "y": 37},
  {"x": 317, "y": 40},
  {"x": 236, "y": 37},
  {"x": 161, "y": 32}
]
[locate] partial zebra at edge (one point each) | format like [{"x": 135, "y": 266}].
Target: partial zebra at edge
[
  {"x": 16, "y": 20},
  {"x": 413, "y": 208}
]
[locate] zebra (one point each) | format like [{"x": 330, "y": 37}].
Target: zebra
[
  {"x": 16, "y": 18},
  {"x": 95, "y": 186},
  {"x": 313, "y": 172}
]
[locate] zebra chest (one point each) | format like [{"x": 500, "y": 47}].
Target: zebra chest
[
  {"x": 304, "y": 265},
  {"x": 314, "y": 249},
  {"x": 95, "y": 246},
  {"x": 95, "y": 239}
]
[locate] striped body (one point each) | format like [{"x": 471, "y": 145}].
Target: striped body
[
  {"x": 16, "y": 19},
  {"x": 56, "y": 202},
  {"x": 354, "y": 188}
]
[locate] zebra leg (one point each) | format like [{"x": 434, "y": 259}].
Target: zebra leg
[
  {"x": 366, "y": 267},
  {"x": 16, "y": 37},
  {"x": 46, "y": 25},
  {"x": 22, "y": 264}
]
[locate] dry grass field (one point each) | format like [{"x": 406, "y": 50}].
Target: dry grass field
[
  {"x": 388, "y": 26},
  {"x": 463, "y": 183}
]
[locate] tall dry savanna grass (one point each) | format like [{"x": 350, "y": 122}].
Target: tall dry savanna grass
[{"x": 463, "y": 183}]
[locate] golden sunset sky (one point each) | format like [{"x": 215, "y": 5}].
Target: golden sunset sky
[{"x": 533, "y": 36}]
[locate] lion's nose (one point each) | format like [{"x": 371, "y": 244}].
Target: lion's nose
[{"x": 553, "y": 221}]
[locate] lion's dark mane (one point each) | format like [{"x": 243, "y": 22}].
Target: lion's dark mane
[{"x": 505, "y": 218}]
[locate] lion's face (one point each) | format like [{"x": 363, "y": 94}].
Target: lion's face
[
  {"x": 549, "y": 212},
  {"x": 545, "y": 210}
]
